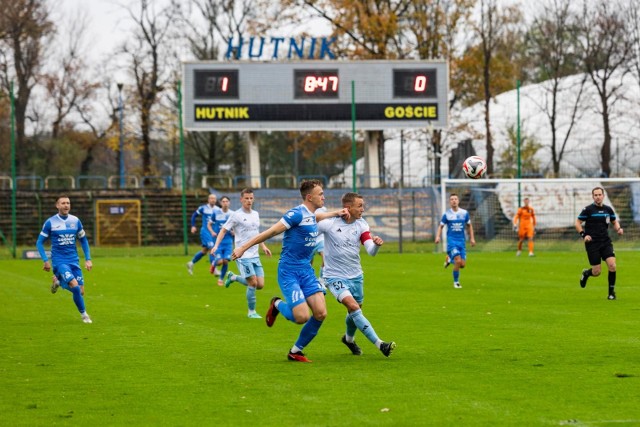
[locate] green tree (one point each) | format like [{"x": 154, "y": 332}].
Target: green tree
[{"x": 529, "y": 146}]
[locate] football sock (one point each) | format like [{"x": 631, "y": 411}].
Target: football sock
[
  {"x": 519, "y": 245},
  {"x": 251, "y": 297},
  {"x": 456, "y": 276},
  {"x": 530, "y": 246},
  {"x": 364, "y": 326},
  {"x": 284, "y": 309},
  {"x": 212, "y": 259},
  {"x": 351, "y": 327},
  {"x": 223, "y": 269},
  {"x": 308, "y": 332},
  {"x": 612, "y": 281},
  {"x": 589, "y": 272},
  {"x": 239, "y": 279},
  {"x": 78, "y": 299},
  {"x": 197, "y": 257}
]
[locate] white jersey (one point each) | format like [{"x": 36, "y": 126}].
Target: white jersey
[
  {"x": 245, "y": 226},
  {"x": 320, "y": 236},
  {"x": 342, "y": 247}
]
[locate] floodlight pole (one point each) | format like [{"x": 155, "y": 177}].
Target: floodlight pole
[
  {"x": 121, "y": 143},
  {"x": 14, "y": 189},
  {"x": 518, "y": 139}
]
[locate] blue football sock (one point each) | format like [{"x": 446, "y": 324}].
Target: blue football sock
[
  {"x": 212, "y": 259},
  {"x": 456, "y": 276},
  {"x": 351, "y": 326},
  {"x": 251, "y": 297},
  {"x": 78, "y": 299},
  {"x": 364, "y": 326},
  {"x": 197, "y": 257},
  {"x": 308, "y": 332},
  {"x": 286, "y": 310},
  {"x": 223, "y": 270}
]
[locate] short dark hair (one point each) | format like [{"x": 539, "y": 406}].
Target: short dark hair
[
  {"x": 62, "y": 196},
  {"x": 348, "y": 198},
  {"x": 246, "y": 191},
  {"x": 454, "y": 194},
  {"x": 308, "y": 185},
  {"x": 224, "y": 197},
  {"x": 597, "y": 188}
]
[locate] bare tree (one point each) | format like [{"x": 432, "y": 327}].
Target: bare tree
[
  {"x": 67, "y": 85},
  {"x": 434, "y": 27},
  {"x": 24, "y": 29},
  {"x": 551, "y": 44},
  {"x": 494, "y": 32},
  {"x": 215, "y": 21},
  {"x": 146, "y": 62},
  {"x": 606, "y": 50}
]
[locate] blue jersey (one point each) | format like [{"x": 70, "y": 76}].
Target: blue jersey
[
  {"x": 63, "y": 233},
  {"x": 207, "y": 212},
  {"x": 218, "y": 219},
  {"x": 455, "y": 222},
  {"x": 299, "y": 239}
]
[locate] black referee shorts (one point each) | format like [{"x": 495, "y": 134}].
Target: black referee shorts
[{"x": 597, "y": 251}]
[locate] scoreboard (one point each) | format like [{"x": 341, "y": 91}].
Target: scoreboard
[{"x": 314, "y": 95}]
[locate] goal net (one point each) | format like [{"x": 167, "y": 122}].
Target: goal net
[{"x": 493, "y": 203}]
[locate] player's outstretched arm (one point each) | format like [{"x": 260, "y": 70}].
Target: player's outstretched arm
[
  {"x": 344, "y": 212},
  {"x": 274, "y": 230}
]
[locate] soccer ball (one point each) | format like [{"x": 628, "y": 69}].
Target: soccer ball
[{"x": 474, "y": 167}]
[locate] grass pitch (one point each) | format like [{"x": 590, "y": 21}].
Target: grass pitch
[{"x": 520, "y": 344}]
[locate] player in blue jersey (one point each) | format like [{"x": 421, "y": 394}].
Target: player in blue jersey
[
  {"x": 223, "y": 251},
  {"x": 207, "y": 235},
  {"x": 455, "y": 219},
  {"x": 64, "y": 230},
  {"x": 245, "y": 224},
  {"x": 297, "y": 280},
  {"x": 593, "y": 224},
  {"x": 343, "y": 271}
]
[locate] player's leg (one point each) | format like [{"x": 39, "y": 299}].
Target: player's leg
[
  {"x": 457, "y": 256},
  {"x": 609, "y": 257},
  {"x": 254, "y": 282},
  {"x": 530, "y": 241},
  {"x": 71, "y": 279},
  {"x": 593, "y": 254},
  {"x": 244, "y": 268},
  {"x": 315, "y": 300}
]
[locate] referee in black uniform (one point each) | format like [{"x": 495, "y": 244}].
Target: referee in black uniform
[{"x": 596, "y": 219}]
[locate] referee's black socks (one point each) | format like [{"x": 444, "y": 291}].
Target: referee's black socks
[{"x": 612, "y": 281}]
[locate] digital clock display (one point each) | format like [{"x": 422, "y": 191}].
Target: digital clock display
[
  {"x": 216, "y": 84},
  {"x": 316, "y": 84},
  {"x": 414, "y": 83}
]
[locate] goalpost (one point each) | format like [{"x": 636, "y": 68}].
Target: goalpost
[{"x": 492, "y": 204}]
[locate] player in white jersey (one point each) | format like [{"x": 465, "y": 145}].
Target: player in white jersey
[
  {"x": 319, "y": 249},
  {"x": 207, "y": 237},
  {"x": 296, "y": 277},
  {"x": 63, "y": 230},
  {"x": 245, "y": 223},
  {"x": 455, "y": 219},
  {"x": 343, "y": 271}
]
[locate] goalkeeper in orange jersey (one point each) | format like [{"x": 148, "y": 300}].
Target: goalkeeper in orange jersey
[{"x": 524, "y": 223}]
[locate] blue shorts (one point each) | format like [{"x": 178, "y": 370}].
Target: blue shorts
[
  {"x": 208, "y": 241},
  {"x": 298, "y": 284},
  {"x": 66, "y": 273},
  {"x": 224, "y": 252},
  {"x": 250, "y": 267},
  {"x": 342, "y": 288},
  {"x": 455, "y": 251}
]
